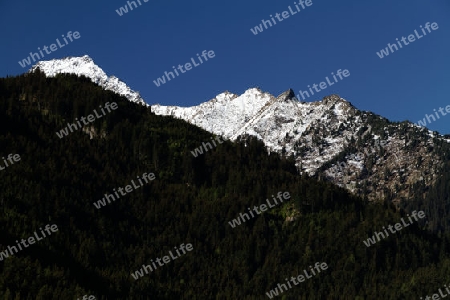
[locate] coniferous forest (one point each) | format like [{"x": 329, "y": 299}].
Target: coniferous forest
[{"x": 191, "y": 200}]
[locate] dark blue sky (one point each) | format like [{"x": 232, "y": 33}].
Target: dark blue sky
[{"x": 299, "y": 51}]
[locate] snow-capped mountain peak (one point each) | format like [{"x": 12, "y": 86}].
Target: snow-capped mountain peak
[
  {"x": 85, "y": 66},
  {"x": 316, "y": 134}
]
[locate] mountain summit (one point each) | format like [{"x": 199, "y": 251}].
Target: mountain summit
[{"x": 85, "y": 66}]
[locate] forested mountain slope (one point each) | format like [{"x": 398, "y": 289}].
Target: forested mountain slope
[{"x": 191, "y": 200}]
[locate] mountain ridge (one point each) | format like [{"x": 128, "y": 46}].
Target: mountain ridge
[{"x": 319, "y": 134}]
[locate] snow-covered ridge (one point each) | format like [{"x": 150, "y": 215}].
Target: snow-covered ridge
[
  {"x": 85, "y": 66},
  {"x": 314, "y": 133},
  {"x": 282, "y": 123}
]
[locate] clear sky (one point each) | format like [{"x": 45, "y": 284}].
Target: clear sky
[{"x": 139, "y": 46}]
